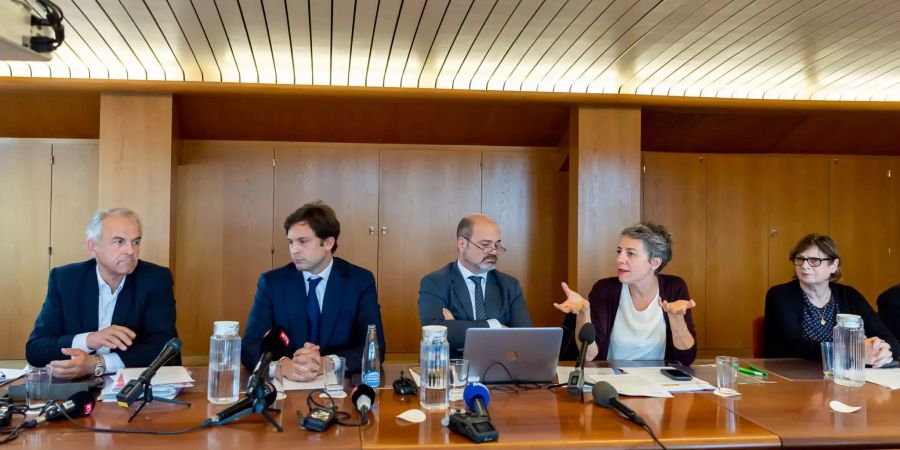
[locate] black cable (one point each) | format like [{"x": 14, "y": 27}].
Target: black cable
[
  {"x": 653, "y": 435},
  {"x": 202, "y": 425},
  {"x": 311, "y": 404}
]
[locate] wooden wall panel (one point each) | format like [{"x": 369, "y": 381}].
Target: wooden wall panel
[
  {"x": 73, "y": 199},
  {"x": 736, "y": 263},
  {"x": 136, "y": 165},
  {"x": 525, "y": 192},
  {"x": 862, "y": 214},
  {"x": 343, "y": 175},
  {"x": 674, "y": 195},
  {"x": 224, "y": 229},
  {"x": 25, "y": 221},
  {"x": 798, "y": 205},
  {"x": 422, "y": 196},
  {"x": 49, "y": 113},
  {"x": 604, "y": 188}
]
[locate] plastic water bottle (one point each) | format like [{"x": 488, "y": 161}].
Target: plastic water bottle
[
  {"x": 849, "y": 350},
  {"x": 434, "y": 362},
  {"x": 371, "y": 362},
  {"x": 224, "y": 363}
]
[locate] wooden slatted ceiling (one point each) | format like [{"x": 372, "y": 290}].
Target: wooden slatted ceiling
[{"x": 772, "y": 49}]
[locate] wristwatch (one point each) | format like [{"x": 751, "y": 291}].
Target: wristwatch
[{"x": 100, "y": 366}]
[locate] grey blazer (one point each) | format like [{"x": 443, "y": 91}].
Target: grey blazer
[{"x": 445, "y": 288}]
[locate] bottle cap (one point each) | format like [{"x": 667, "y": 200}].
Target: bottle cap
[
  {"x": 432, "y": 332},
  {"x": 849, "y": 320},
  {"x": 226, "y": 328}
]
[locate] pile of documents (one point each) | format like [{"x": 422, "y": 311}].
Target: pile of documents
[
  {"x": 638, "y": 381},
  {"x": 10, "y": 375},
  {"x": 167, "y": 382}
]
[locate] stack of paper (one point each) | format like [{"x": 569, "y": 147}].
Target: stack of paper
[
  {"x": 889, "y": 378},
  {"x": 637, "y": 381},
  {"x": 167, "y": 382},
  {"x": 654, "y": 375},
  {"x": 10, "y": 375}
]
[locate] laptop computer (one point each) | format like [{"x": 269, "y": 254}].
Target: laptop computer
[{"x": 529, "y": 355}]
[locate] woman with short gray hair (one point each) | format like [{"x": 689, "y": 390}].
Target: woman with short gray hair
[{"x": 640, "y": 313}]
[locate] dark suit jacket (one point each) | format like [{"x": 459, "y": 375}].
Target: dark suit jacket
[
  {"x": 783, "y": 337},
  {"x": 349, "y": 307},
  {"x": 145, "y": 305},
  {"x": 445, "y": 288},
  {"x": 889, "y": 311},
  {"x": 604, "y": 299}
]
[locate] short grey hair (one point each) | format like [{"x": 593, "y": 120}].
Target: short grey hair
[
  {"x": 95, "y": 227},
  {"x": 656, "y": 238}
]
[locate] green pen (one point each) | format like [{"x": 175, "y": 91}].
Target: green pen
[
  {"x": 747, "y": 371},
  {"x": 763, "y": 372}
]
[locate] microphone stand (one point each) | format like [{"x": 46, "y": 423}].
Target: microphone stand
[
  {"x": 148, "y": 397},
  {"x": 261, "y": 406}
]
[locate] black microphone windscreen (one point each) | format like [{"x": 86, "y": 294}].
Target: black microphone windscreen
[
  {"x": 604, "y": 393},
  {"x": 276, "y": 342},
  {"x": 587, "y": 334},
  {"x": 362, "y": 390},
  {"x": 84, "y": 404}
]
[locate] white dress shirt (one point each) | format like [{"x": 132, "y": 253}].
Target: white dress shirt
[
  {"x": 320, "y": 288},
  {"x": 470, "y": 285},
  {"x": 107, "y": 306},
  {"x": 637, "y": 334}
]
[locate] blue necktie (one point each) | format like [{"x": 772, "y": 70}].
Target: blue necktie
[
  {"x": 313, "y": 314},
  {"x": 479, "y": 299}
]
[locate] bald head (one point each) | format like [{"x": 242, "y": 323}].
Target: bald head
[
  {"x": 467, "y": 225},
  {"x": 477, "y": 242}
]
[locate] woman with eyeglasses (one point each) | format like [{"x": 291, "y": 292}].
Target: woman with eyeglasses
[
  {"x": 640, "y": 313},
  {"x": 802, "y": 313}
]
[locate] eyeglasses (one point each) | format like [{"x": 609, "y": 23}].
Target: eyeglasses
[
  {"x": 486, "y": 249},
  {"x": 813, "y": 262}
]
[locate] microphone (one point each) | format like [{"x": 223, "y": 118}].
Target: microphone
[
  {"x": 477, "y": 398},
  {"x": 362, "y": 397},
  {"x": 132, "y": 391},
  {"x": 243, "y": 407},
  {"x": 606, "y": 396},
  {"x": 587, "y": 334},
  {"x": 80, "y": 404},
  {"x": 274, "y": 345}
]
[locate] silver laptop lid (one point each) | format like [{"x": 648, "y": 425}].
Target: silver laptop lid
[{"x": 530, "y": 355}]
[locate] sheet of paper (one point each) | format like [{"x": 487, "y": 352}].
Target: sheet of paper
[
  {"x": 10, "y": 375},
  {"x": 165, "y": 375},
  {"x": 318, "y": 383},
  {"x": 632, "y": 385},
  {"x": 653, "y": 375},
  {"x": 889, "y": 378},
  {"x": 562, "y": 372}
]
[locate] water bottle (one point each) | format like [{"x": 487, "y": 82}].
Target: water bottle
[
  {"x": 849, "y": 350},
  {"x": 434, "y": 361},
  {"x": 371, "y": 363},
  {"x": 224, "y": 363}
]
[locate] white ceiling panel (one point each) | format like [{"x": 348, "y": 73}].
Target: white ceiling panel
[{"x": 845, "y": 50}]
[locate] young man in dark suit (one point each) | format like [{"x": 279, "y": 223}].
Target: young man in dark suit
[
  {"x": 469, "y": 292},
  {"x": 323, "y": 302},
  {"x": 106, "y": 313}
]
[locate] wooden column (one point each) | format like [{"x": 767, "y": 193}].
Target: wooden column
[
  {"x": 604, "y": 188},
  {"x": 137, "y": 165}
]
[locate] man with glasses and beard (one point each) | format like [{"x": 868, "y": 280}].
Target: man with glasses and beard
[{"x": 469, "y": 292}]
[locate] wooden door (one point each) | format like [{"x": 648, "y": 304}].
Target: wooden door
[
  {"x": 224, "y": 234},
  {"x": 798, "y": 205},
  {"x": 526, "y": 194},
  {"x": 345, "y": 176},
  {"x": 863, "y": 221},
  {"x": 736, "y": 261},
  {"x": 422, "y": 196},
  {"x": 674, "y": 194},
  {"x": 25, "y": 221},
  {"x": 74, "y": 200}
]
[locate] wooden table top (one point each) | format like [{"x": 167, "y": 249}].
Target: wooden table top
[
  {"x": 545, "y": 419},
  {"x": 798, "y": 410},
  {"x": 790, "y": 411}
]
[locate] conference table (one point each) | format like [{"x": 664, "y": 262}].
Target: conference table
[{"x": 789, "y": 410}]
